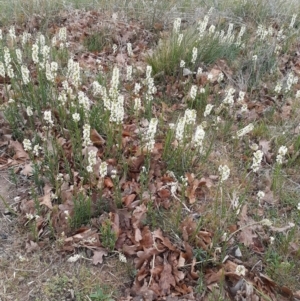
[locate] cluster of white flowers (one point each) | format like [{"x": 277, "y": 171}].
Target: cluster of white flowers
[
  {"x": 202, "y": 25},
  {"x": 29, "y": 111},
  {"x": 51, "y": 71},
  {"x": 240, "y": 270},
  {"x": 7, "y": 62},
  {"x": 240, "y": 35},
  {"x": 113, "y": 101},
  {"x": 68, "y": 90},
  {"x": 114, "y": 47},
  {"x": 73, "y": 72},
  {"x": 229, "y": 96},
  {"x": 150, "y": 134},
  {"x": 278, "y": 87},
  {"x": 137, "y": 88},
  {"x": 45, "y": 51},
  {"x": 262, "y": 32},
  {"x": 281, "y": 153},
  {"x": 297, "y": 94},
  {"x": 194, "y": 55},
  {"x": 76, "y": 117},
  {"x": 53, "y": 41},
  {"x": 113, "y": 174},
  {"x": 35, "y": 53},
  {"x": 180, "y": 38},
  {"x": 260, "y": 195},
  {"x": 48, "y": 118},
  {"x": 266, "y": 222},
  {"x": 86, "y": 135},
  {"x": 27, "y": 145},
  {"x": 62, "y": 98},
  {"x": 137, "y": 104},
  {"x": 291, "y": 80},
  {"x": 91, "y": 160},
  {"x": 224, "y": 172},
  {"x": 2, "y": 69},
  {"x": 25, "y": 74},
  {"x": 190, "y": 116},
  {"x": 103, "y": 169},
  {"x": 96, "y": 88},
  {"x": 244, "y": 108},
  {"x": 19, "y": 56},
  {"x": 220, "y": 77},
  {"x": 41, "y": 39},
  {"x": 208, "y": 109},
  {"x": 241, "y": 96},
  {"x": 117, "y": 110},
  {"x": 211, "y": 29},
  {"x": 210, "y": 77},
  {"x": 247, "y": 129},
  {"x": 198, "y": 137},
  {"x": 122, "y": 257},
  {"x": 176, "y": 25},
  {"x": 179, "y": 134},
  {"x": 229, "y": 37},
  {"x": 293, "y": 21},
  {"x": 280, "y": 35},
  {"x": 36, "y": 150},
  {"x": 12, "y": 33},
  {"x": 277, "y": 49},
  {"x": 62, "y": 34},
  {"x": 257, "y": 158},
  {"x": 193, "y": 92},
  {"x": 83, "y": 101},
  {"x": 150, "y": 83},
  {"x": 182, "y": 64},
  {"x": 129, "y": 73},
  {"x": 25, "y": 38},
  {"x": 129, "y": 49},
  {"x": 114, "y": 84}
]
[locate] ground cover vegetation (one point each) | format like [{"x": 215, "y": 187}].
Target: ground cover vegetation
[{"x": 171, "y": 146}]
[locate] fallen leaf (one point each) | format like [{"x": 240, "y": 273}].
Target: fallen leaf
[
  {"x": 27, "y": 170},
  {"x": 96, "y": 138},
  {"x": 98, "y": 256},
  {"x": 167, "y": 279},
  {"x": 20, "y": 154},
  {"x": 247, "y": 234},
  {"x": 31, "y": 246},
  {"x": 46, "y": 199}
]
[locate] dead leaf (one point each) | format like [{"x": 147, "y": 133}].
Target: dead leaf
[
  {"x": 27, "y": 170},
  {"x": 265, "y": 147},
  {"x": 212, "y": 276},
  {"x": 31, "y": 246},
  {"x": 128, "y": 199},
  {"x": 120, "y": 59},
  {"x": 167, "y": 279},
  {"x": 46, "y": 199},
  {"x": 96, "y": 138},
  {"x": 20, "y": 154},
  {"x": 247, "y": 234},
  {"x": 108, "y": 182},
  {"x": 98, "y": 256}
]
